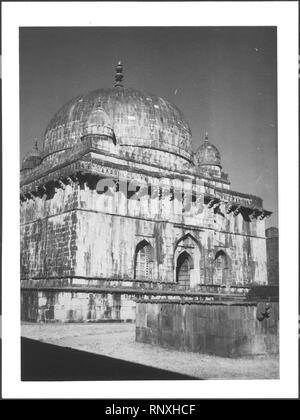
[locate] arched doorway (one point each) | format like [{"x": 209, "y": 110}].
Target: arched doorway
[
  {"x": 187, "y": 253},
  {"x": 183, "y": 270},
  {"x": 143, "y": 261},
  {"x": 221, "y": 268}
]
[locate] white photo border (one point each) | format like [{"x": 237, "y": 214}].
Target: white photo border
[{"x": 284, "y": 16}]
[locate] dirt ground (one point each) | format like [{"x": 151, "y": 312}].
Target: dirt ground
[{"x": 118, "y": 340}]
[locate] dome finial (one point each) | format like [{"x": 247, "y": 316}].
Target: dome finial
[
  {"x": 206, "y": 136},
  {"x": 119, "y": 75}
]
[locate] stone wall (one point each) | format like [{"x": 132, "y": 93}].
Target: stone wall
[
  {"x": 121, "y": 236},
  {"x": 65, "y": 306},
  {"x": 272, "y": 255},
  {"x": 69, "y": 230},
  {"x": 48, "y": 235},
  {"x": 121, "y": 224},
  {"x": 224, "y": 329},
  {"x": 77, "y": 221},
  {"x": 64, "y": 235}
]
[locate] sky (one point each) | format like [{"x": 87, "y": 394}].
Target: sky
[{"x": 223, "y": 79}]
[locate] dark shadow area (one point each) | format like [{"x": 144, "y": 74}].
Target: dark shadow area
[{"x": 47, "y": 362}]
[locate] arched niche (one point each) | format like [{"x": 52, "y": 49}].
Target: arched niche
[
  {"x": 187, "y": 256},
  {"x": 184, "y": 265},
  {"x": 221, "y": 268},
  {"x": 144, "y": 261}
]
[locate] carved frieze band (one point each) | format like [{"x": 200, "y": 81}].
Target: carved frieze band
[{"x": 84, "y": 177}]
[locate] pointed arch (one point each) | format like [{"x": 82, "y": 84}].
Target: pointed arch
[
  {"x": 184, "y": 265},
  {"x": 186, "y": 237},
  {"x": 187, "y": 251},
  {"x": 143, "y": 261},
  {"x": 221, "y": 265}
]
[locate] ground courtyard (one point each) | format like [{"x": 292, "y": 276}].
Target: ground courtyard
[{"x": 117, "y": 340}]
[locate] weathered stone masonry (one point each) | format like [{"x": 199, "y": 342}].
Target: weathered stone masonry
[
  {"x": 272, "y": 255},
  {"x": 87, "y": 253},
  {"x": 231, "y": 329}
]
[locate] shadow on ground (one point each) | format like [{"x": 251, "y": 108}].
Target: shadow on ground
[{"x": 47, "y": 362}]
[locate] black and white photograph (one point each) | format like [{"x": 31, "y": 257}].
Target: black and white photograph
[{"x": 148, "y": 203}]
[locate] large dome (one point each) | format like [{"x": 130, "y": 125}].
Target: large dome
[{"x": 136, "y": 119}]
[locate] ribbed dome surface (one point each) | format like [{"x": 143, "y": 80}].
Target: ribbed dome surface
[{"x": 136, "y": 118}]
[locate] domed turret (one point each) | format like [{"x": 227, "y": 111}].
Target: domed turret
[
  {"x": 208, "y": 159},
  {"x": 98, "y": 123},
  {"x": 32, "y": 159}
]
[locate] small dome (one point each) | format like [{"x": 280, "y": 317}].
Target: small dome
[
  {"x": 32, "y": 159},
  {"x": 207, "y": 154},
  {"x": 98, "y": 122},
  {"x": 272, "y": 232}
]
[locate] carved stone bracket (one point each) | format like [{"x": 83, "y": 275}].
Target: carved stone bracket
[
  {"x": 62, "y": 184},
  {"x": 264, "y": 214},
  {"x": 210, "y": 204},
  {"x": 254, "y": 214},
  {"x": 237, "y": 210},
  {"x": 48, "y": 188},
  {"x": 229, "y": 208},
  {"x": 216, "y": 206},
  {"x": 213, "y": 202}
]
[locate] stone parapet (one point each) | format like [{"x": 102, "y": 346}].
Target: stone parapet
[{"x": 228, "y": 329}]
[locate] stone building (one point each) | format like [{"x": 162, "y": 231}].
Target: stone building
[
  {"x": 117, "y": 205},
  {"x": 272, "y": 256}
]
